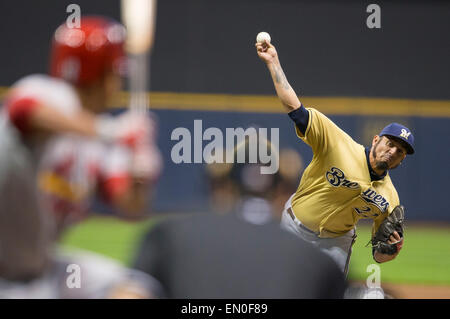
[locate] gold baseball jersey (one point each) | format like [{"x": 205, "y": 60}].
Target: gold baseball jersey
[{"x": 336, "y": 189}]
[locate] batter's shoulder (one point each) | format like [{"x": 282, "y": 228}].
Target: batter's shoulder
[{"x": 46, "y": 90}]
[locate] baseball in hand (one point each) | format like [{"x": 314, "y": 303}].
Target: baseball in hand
[{"x": 263, "y": 36}]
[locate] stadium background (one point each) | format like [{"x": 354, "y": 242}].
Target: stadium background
[{"x": 204, "y": 66}]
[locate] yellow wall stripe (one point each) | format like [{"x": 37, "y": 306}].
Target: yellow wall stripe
[{"x": 271, "y": 104}]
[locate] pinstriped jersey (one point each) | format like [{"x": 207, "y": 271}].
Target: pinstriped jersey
[{"x": 336, "y": 189}]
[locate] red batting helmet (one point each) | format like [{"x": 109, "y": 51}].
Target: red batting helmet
[{"x": 83, "y": 55}]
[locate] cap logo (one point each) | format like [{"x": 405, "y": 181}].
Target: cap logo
[{"x": 405, "y": 134}]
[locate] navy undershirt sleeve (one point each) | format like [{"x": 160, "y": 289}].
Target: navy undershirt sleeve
[{"x": 300, "y": 117}]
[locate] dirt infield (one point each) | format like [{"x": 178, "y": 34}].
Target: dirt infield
[{"x": 409, "y": 291}]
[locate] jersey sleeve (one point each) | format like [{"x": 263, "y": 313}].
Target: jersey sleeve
[
  {"x": 36, "y": 90},
  {"x": 300, "y": 117},
  {"x": 19, "y": 111},
  {"x": 321, "y": 133}
]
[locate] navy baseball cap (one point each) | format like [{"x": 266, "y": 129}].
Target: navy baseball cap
[{"x": 402, "y": 133}]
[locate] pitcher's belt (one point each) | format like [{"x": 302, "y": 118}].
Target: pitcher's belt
[{"x": 291, "y": 213}]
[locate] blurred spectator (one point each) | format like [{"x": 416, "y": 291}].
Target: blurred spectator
[
  {"x": 223, "y": 193},
  {"x": 240, "y": 188},
  {"x": 291, "y": 168}
]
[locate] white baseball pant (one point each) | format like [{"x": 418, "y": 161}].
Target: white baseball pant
[{"x": 338, "y": 248}]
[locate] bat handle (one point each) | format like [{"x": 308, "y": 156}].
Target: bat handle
[{"x": 139, "y": 79}]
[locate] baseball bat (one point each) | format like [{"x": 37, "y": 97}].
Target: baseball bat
[{"x": 139, "y": 17}]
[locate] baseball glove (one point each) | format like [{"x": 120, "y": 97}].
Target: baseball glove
[{"x": 394, "y": 222}]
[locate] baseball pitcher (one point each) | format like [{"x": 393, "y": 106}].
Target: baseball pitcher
[{"x": 345, "y": 181}]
